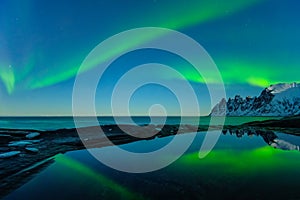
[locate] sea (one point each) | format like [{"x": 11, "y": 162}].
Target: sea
[{"x": 54, "y": 123}]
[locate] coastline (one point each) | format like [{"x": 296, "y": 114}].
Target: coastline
[{"x": 20, "y": 168}]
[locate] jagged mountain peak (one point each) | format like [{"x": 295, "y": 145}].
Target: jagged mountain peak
[{"x": 281, "y": 99}]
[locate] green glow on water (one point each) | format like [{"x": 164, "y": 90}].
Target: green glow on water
[
  {"x": 91, "y": 174},
  {"x": 244, "y": 162}
]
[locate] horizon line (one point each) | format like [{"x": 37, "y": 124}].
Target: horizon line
[{"x": 104, "y": 116}]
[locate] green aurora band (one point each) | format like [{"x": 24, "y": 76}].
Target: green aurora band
[
  {"x": 194, "y": 13},
  {"x": 8, "y": 77},
  {"x": 202, "y": 12},
  {"x": 110, "y": 53}
]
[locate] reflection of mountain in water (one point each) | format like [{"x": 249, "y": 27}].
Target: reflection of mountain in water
[{"x": 269, "y": 137}]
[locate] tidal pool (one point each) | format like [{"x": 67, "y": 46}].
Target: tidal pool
[{"x": 237, "y": 168}]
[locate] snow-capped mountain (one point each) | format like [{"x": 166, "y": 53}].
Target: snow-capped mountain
[{"x": 282, "y": 99}]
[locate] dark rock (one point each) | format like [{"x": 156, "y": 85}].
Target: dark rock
[
  {"x": 32, "y": 135},
  {"x": 68, "y": 141},
  {"x": 9, "y": 154},
  {"x": 19, "y": 143},
  {"x": 32, "y": 150}
]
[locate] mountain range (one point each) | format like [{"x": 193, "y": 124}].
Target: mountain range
[{"x": 281, "y": 99}]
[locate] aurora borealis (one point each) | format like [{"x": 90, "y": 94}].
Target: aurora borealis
[{"x": 254, "y": 43}]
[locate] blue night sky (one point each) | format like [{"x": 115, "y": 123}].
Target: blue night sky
[{"x": 254, "y": 43}]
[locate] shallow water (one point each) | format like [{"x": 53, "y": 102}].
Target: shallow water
[{"x": 237, "y": 168}]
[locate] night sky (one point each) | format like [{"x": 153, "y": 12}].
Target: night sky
[{"x": 254, "y": 43}]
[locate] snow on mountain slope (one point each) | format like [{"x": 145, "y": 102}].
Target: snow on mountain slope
[
  {"x": 281, "y": 87},
  {"x": 281, "y": 99}
]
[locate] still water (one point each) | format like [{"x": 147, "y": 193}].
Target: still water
[{"x": 237, "y": 168}]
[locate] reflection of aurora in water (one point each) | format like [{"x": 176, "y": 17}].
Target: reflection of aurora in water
[
  {"x": 93, "y": 175},
  {"x": 241, "y": 168},
  {"x": 260, "y": 160}
]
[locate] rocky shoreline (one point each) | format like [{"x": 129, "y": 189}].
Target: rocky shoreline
[
  {"x": 20, "y": 150},
  {"x": 24, "y": 153}
]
